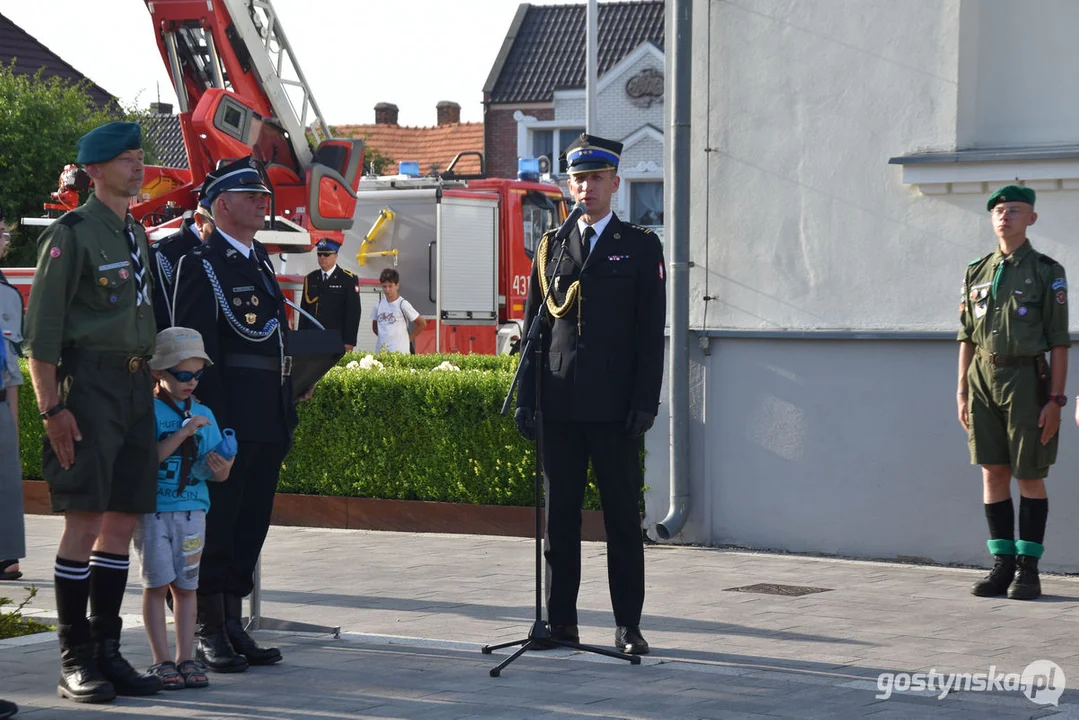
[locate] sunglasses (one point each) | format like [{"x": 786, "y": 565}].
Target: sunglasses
[
  {"x": 326, "y": 254},
  {"x": 185, "y": 376}
]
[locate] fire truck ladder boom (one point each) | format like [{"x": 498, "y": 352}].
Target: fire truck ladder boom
[{"x": 260, "y": 30}]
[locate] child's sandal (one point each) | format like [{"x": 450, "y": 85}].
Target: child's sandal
[
  {"x": 171, "y": 679},
  {"x": 193, "y": 673}
]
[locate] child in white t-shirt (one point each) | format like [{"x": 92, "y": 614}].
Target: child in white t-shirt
[{"x": 392, "y": 314}]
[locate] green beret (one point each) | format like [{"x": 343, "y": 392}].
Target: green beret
[
  {"x": 1010, "y": 193},
  {"x": 107, "y": 141}
]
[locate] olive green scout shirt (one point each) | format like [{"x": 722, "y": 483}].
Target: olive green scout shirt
[
  {"x": 84, "y": 288},
  {"x": 1028, "y": 312}
]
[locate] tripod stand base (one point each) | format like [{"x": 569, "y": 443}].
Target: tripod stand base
[{"x": 539, "y": 638}]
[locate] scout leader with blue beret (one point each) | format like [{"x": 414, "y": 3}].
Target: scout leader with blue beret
[
  {"x": 89, "y": 334},
  {"x": 332, "y": 295},
  {"x": 1013, "y": 309},
  {"x": 226, "y": 290},
  {"x": 600, "y": 387}
]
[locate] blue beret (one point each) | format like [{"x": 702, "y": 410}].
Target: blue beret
[
  {"x": 327, "y": 245},
  {"x": 239, "y": 176},
  {"x": 589, "y": 153},
  {"x": 1010, "y": 193},
  {"x": 107, "y": 141}
]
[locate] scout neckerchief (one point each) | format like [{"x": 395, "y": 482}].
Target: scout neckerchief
[
  {"x": 189, "y": 448},
  {"x": 996, "y": 277}
]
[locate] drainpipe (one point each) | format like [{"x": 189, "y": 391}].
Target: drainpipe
[{"x": 676, "y": 230}]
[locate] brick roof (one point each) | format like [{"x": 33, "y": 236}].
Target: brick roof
[
  {"x": 30, "y": 56},
  {"x": 432, "y": 147},
  {"x": 544, "y": 49},
  {"x": 163, "y": 130}
]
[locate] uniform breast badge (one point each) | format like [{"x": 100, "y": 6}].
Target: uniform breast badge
[
  {"x": 251, "y": 318},
  {"x": 255, "y": 300},
  {"x": 237, "y": 301}
]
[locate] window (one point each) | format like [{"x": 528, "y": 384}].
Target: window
[
  {"x": 646, "y": 202},
  {"x": 543, "y": 143},
  {"x": 539, "y": 214},
  {"x": 566, "y": 136}
]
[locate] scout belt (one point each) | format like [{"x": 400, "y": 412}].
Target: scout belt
[
  {"x": 1013, "y": 360},
  {"x": 114, "y": 361}
]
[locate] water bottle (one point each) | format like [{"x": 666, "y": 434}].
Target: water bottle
[{"x": 226, "y": 449}]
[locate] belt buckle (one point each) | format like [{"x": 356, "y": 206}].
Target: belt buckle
[
  {"x": 286, "y": 367},
  {"x": 134, "y": 364}
]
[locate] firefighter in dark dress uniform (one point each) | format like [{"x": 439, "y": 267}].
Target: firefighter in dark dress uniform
[
  {"x": 601, "y": 387},
  {"x": 332, "y": 295},
  {"x": 165, "y": 254},
  {"x": 226, "y": 289}
]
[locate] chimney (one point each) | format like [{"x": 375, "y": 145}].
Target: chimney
[
  {"x": 449, "y": 112},
  {"x": 161, "y": 108},
  {"x": 385, "y": 114}
]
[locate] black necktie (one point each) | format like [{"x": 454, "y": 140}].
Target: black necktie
[
  {"x": 586, "y": 241},
  {"x": 258, "y": 267},
  {"x": 140, "y": 272}
]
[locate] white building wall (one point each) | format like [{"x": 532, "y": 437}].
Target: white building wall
[{"x": 802, "y": 232}]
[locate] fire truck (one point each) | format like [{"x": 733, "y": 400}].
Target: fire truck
[{"x": 462, "y": 243}]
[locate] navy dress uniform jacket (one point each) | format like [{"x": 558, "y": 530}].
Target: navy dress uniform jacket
[
  {"x": 165, "y": 255},
  {"x": 609, "y": 359},
  {"x": 244, "y": 385},
  {"x": 334, "y": 301}
]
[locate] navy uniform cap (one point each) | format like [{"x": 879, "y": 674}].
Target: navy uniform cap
[
  {"x": 1011, "y": 193},
  {"x": 105, "y": 142},
  {"x": 589, "y": 153},
  {"x": 239, "y": 176},
  {"x": 327, "y": 245}
]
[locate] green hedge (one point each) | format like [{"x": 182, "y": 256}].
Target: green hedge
[{"x": 405, "y": 432}]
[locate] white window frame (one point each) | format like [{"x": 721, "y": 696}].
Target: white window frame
[{"x": 526, "y": 124}]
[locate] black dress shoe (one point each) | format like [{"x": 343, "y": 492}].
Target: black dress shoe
[
  {"x": 628, "y": 639},
  {"x": 243, "y": 643},
  {"x": 565, "y": 633}
]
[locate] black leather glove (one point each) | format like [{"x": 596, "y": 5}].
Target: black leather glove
[
  {"x": 638, "y": 422},
  {"x": 524, "y": 419}
]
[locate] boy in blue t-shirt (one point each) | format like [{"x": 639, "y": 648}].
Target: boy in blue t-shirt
[{"x": 169, "y": 542}]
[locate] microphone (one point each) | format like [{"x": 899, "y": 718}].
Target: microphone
[{"x": 571, "y": 222}]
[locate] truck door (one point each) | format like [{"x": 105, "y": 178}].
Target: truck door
[{"x": 467, "y": 259}]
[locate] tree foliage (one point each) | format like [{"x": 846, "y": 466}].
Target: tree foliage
[{"x": 41, "y": 121}]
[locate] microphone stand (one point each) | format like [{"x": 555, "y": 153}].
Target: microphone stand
[{"x": 539, "y": 636}]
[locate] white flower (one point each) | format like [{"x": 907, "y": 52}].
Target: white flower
[
  {"x": 368, "y": 363},
  {"x": 447, "y": 366},
  {"x": 354, "y": 364}
]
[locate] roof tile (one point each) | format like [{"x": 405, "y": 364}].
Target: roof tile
[{"x": 432, "y": 147}]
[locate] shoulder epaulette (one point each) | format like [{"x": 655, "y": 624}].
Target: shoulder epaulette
[
  {"x": 641, "y": 228},
  {"x": 983, "y": 258},
  {"x": 350, "y": 274},
  {"x": 1046, "y": 259},
  {"x": 70, "y": 219}
]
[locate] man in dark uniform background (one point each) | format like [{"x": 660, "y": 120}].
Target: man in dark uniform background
[
  {"x": 601, "y": 387},
  {"x": 226, "y": 290},
  {"x": 89, "y": 333},
  {"x": 165, "y": 254},
  {"x": 332, "y": 295}
]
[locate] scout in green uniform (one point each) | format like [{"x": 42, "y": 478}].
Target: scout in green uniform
[
  {"x": 89, "y": 332},
  {"x": 1013, "y": 309}
]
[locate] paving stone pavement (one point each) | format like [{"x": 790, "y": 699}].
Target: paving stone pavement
[{"x": 415, "y": 610}]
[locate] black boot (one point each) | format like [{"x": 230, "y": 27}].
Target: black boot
[
  {"x": 80, "y": 679},
  {"x": 996, "y": 582},
  {"x": 213, "y": 647},
  {"x": 1027, "y": 585},
  {"x": 126, "y": 679},
  {"x": 239, "y": 638}
]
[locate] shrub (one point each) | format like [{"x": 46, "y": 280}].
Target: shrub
[{"x": 13, "y": 624}]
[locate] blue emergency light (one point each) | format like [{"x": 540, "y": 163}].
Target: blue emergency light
[
  {"x": 528, "y": 169},
  {"x": 409, "y": 167}
]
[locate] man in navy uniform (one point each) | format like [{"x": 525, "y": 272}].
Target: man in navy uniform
[
  {"x": 332, "y": 295},
  {"x": 226, "y": 290},
  {"x": 166, "y": 253},
  {"x": 601, "y": 387}
]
